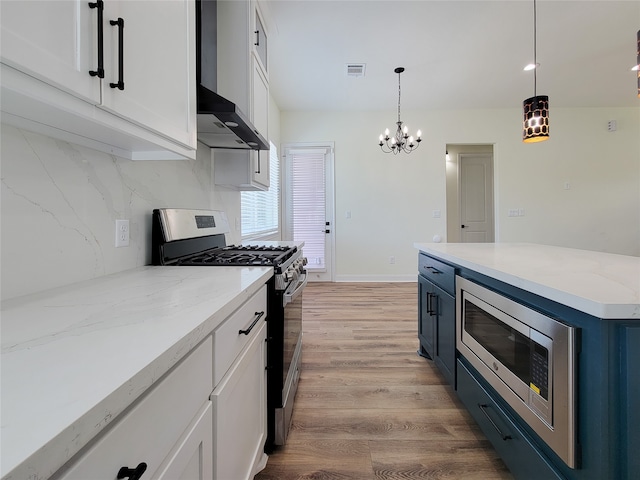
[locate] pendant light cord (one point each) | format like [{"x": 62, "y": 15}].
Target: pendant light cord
[{"x": 535, "y": 43}]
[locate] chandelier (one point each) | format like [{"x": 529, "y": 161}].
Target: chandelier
[
  {"x": 535, "y": 125},
  {"x": 401, "y": 141}
]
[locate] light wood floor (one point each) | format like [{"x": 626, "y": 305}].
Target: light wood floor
[{"x": 368, "y": 407}]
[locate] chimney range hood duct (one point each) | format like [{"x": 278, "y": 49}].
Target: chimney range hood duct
[{"x": 221, "y": 124}]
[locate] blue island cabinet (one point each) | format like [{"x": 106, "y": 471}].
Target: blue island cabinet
[
  {"x": 607, "y": 397},
  {"x": 437, "y": 315}
]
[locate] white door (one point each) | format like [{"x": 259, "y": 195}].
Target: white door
[
  {"x": 309, "y": 205},
  {"x": 476, "y": 198}
]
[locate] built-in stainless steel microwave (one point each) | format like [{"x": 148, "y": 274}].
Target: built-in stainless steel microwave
[{"x": 527, "y": 357}]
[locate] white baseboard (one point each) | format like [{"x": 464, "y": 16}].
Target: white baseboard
[{"x": 377, "y": 278}]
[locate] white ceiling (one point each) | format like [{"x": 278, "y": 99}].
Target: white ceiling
[{"x": 457, "y": 54}]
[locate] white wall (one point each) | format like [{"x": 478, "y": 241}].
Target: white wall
[
  {"x": 392, "y": 197},
  {"x": 60, "y": 202}
]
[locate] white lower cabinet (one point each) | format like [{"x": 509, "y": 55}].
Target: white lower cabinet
[
  {"x": 169, "y": 429},
  {"x": 207, "y": 419},
  {"x": 192, "y": 459},
  {"x": 239, "y": 411}
]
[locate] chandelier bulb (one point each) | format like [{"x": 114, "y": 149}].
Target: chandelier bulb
[
  {"x": 386, "y": 132},
  {"x": 419, "y": 135}
]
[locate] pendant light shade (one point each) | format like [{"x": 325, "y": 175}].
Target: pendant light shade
[
  {"x": 536, "y": 119},
  {"x": 535, "y": 124}
]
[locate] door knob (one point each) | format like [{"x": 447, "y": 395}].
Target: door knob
[{"x": 462, "y": 226}]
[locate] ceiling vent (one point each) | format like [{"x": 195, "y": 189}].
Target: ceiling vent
[{"x": 355, "y": 69}]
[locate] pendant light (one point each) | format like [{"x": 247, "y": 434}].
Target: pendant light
[
  {"x": 535, "y": 126},
  {"x": 637, "y": 67},
  {"x": 401, "y": 141}
]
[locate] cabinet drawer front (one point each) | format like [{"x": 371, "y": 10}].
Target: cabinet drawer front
[
  {"x": 149, "y": 431},
  {"x": 521, "y": 456},
  {"x": 228, "y": 343},
  {"x": 439, "y": 273},
  {"x": 240, "y": 414}
]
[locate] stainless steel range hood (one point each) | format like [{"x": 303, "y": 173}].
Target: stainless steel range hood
[{"x": 221, "y": 124}]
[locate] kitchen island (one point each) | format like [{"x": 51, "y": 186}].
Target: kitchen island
[
  {"x": 76, "y": 357},
  {"x": 597, "y": 295}
]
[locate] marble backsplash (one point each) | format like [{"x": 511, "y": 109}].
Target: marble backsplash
[{"x": 60, "y": 201}]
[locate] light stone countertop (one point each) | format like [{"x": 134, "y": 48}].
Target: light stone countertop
[
  {"x": 74, "y": 357},
  {"x": 604, "y": 285}
]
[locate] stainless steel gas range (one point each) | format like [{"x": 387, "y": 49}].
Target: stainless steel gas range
[{"x": 197, "y": 238}]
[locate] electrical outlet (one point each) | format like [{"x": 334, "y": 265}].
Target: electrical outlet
[
  {"x": 436, "y": 214},
  {"x": 521, "y": 212},
  {"x": 513, "y": 212},
  {"x": 392, "y": 260},
  {"x": 122, "y": 233}
]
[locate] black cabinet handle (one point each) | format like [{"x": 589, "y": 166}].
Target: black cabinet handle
[
  {"x": 430, "y": 309},
  {"x": 258, "y": 171},
  {"x": 433, "y": 269},
  {"x": 100, "y": 70},
  {"x": 132, "y": 473},
  {"x": 120, "y": 24},
  {"x": 463, "y": 226},
  {"x": 483, "y": 409},
  {"x": 258, "y": 315},
  {"x": 257, "y": 32}
]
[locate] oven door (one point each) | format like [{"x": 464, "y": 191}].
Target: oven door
[
  {"x": 292, "y": 306},
  {"x": 291, "y": 357}
]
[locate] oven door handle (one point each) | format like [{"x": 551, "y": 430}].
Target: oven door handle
[{"x": 290, "y": 297}]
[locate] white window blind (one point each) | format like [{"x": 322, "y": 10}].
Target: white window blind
[
  {"x": 260, "y": 210},
  {"x": 308, "y": 207}
]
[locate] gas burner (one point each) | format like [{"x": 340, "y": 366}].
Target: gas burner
[
  {"x": 242, "y": 255},
  {"x": 257, "y": 248}
]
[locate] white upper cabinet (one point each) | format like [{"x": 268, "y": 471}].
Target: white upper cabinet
[
  {"x": 53, "y": 41},
  {"x": 243, "y": 79},
  {"x": 118, "y": 76},
  {"x": 260, "y": 39},
  {"x": 260, "y": 118},
  {"x": 158, "y": 66}
]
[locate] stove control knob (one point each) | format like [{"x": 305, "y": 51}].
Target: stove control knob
[
  {"x": 304, "y": 260},
  {"x": 287, "y": 275}
]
